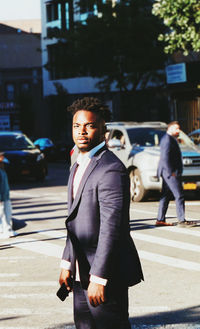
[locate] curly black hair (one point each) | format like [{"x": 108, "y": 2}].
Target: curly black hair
[{"x": 91, "y": 104}]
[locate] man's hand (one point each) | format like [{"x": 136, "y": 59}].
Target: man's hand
[
  {"x": 96, "y": 294},
  {"x": 65, "y": 277},
  {"x": 174, "y": 174}
]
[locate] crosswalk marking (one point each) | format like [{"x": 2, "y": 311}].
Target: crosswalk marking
[
  {"x": 166, "y": 260},
  {"x": 50, "y": 249},
  {"x": 9, "y": 275},
  {"x": 31, "y": 311},
  {"x": 188, "y": 231},
  {"x": 41, "y": 247},
  {"x": 11, "y": 258},
  {"x": 25, "y": 296},
  {"x": 29, "y": 284},
  {"x": 165, "y": 242}
]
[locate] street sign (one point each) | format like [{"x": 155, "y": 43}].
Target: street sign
[{"x": 176, "y": 73}]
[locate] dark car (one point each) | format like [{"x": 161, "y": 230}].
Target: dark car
[{"x": 24, "y": 158}]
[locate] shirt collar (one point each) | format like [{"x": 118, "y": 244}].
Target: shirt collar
[{"x": 88, "y": 155}]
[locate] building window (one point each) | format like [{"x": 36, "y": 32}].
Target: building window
[
  {"x": 25, "y": 87},
  {"x": 59, "y": 17},
  {"x": 52, "y": 12},
  {"x": 10, "y": 91},
  {"x": 55, "y": 60}
]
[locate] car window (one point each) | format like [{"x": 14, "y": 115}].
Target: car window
[
  {"x": 117, "y": 134},
  {"x": 16, "y": 142},
  {"x": 145, "y": 136},
  {"x": 184, "y": 140}
]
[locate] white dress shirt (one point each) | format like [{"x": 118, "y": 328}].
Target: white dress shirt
[{"x": 83, "y": 161}]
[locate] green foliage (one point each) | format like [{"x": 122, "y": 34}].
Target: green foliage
[
  {"x": 119, "y": 45},
  {"x": 182, "y": 18}
]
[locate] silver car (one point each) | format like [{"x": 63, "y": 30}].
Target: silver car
[{"x": 137, "y": 146}]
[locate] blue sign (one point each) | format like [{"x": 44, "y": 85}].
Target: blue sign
[{"x": 176, "y": 73}]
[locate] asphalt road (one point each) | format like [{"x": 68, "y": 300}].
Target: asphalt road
[{"x": 29, "y": 263}]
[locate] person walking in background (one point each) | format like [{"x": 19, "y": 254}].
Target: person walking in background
[
  {"x": 5, "y": 204},
  {"x": 100, "y": 256},
  {"x": 170, "y": 168}
]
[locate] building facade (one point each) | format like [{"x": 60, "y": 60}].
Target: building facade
[
  {"x": 20, "y": 81},
  {"x": 61, "y": 15}
]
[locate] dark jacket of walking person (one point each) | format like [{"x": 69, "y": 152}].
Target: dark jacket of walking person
[
  {"x": 170, "y": 168},
  {"x": 100, "y": 254}
]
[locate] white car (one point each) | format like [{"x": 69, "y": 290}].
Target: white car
[{"x": 137, "y": 146}]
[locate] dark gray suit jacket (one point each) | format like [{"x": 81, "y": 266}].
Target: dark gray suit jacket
[
  {"x": 170, "y": 156},
  {"x": 98, "y": 223}
]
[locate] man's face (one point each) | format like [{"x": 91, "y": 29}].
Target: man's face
[
  {"x": 175, "y": 130},
  {"x": 88, "y": 130}
]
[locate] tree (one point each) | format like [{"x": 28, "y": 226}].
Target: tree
[
  {"x": 182, "y": 18},
  {"x": 119, "y": 45}
]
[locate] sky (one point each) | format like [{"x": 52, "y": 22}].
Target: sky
[{"x": 19, "y": 9}]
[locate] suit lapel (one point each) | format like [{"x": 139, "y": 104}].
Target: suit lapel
[
  {"x": 70, "y": 185},
  {"x": 93, "y": 163},
  {"x": 87, "y": 173}
]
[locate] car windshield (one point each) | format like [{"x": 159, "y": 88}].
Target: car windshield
[
  {"x": 151, "y": 137},
  {"x": 15, "y": 142},
  {"x": 145, "y": 136}
]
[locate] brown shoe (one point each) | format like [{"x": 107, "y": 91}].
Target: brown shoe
[
  {"x": 162, "y": 223},
  {"x": 187, "y": 223}
]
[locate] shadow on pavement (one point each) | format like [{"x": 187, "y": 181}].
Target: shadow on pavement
[
  {"x": 186, "y": 315},
  {"x": 187, "y": 318},
  {"x": 58, "y": 174},
  {"x": 137, "y": 225}
]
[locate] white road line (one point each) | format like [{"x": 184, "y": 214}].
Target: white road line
[
  {"x": 19, "y": 296},
  {"x": 187, "y": 203},
  {"x": 165, "y": 242},
  {"x": 29, "y": 284},
  {"x": 54, "y": 234},
  {"x": 41, "y": 247},
  {"x": 9, "y": 275},
  {"x": 188, "y": 231},
  {"x": 16, "y": 258},
  {"x": 26, "y": 311},
  {"x": 16, "y": 327},
  {"x": 170, "y": 261},
  {"x": 148, "y": 309},
  {"x": 31, "y": 311}
]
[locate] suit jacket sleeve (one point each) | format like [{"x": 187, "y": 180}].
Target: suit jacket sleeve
[
  {"x": 111, "y": 196},
  {"x": 165, "y": 156},
  {"x": 67, "y": 252}
]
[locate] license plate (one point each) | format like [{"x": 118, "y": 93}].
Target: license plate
[
  {"x": 25, "y": 172},
  {"x": 189, "y": 186}
]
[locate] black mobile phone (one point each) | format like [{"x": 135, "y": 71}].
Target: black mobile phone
[{"x": 62, "y": 292}]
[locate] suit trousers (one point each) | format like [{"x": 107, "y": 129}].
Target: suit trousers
[
  {"x": 171, "y": 186},
  {"x": 111, "y": 315}
]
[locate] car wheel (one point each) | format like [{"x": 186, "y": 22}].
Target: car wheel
[{"x": 137, "y": 189}]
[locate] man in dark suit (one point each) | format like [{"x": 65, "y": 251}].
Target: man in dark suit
[
  {"x": 99, "y": 255},
  {"x": 170, "y": 169}
]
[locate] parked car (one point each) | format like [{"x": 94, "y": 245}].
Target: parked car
[
  {"x": 137, "y": 145},
  {"x": 46, "y": 146},
  {"x": 195, "y": 136},
  {"x": 24, "y": 158}
]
